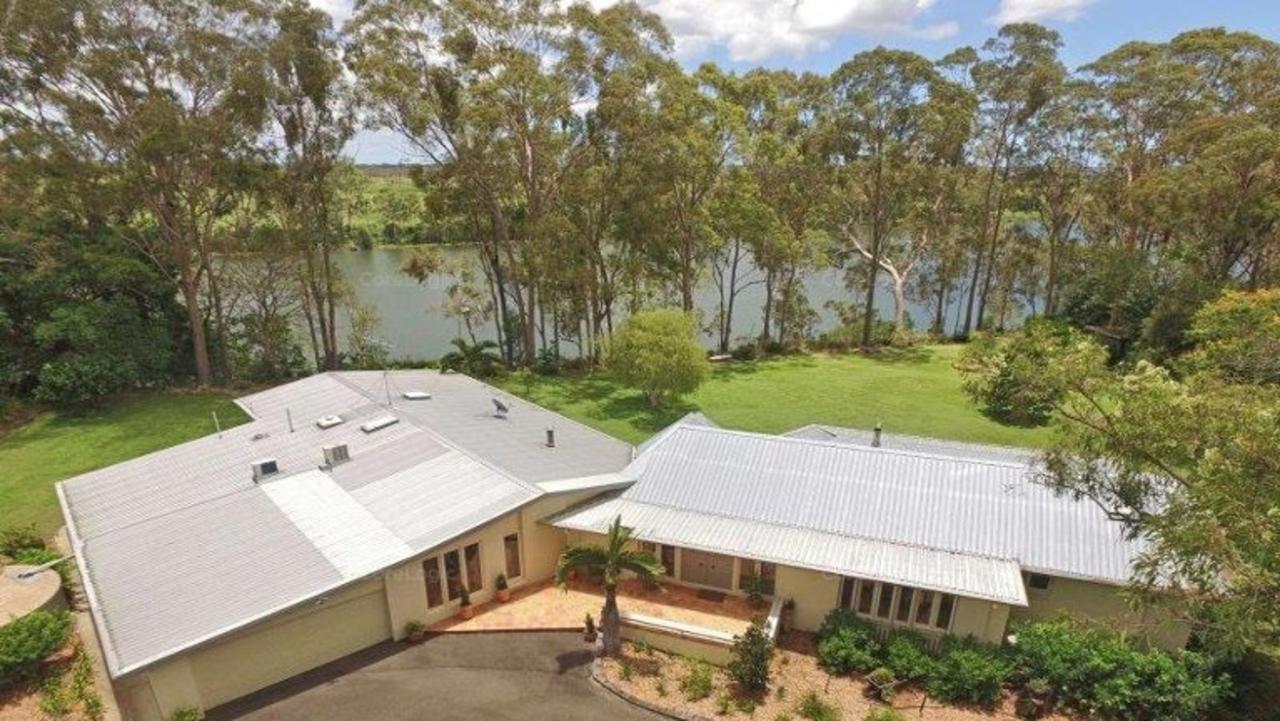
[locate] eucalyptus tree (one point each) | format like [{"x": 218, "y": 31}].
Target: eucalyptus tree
[
  {"x": 895, "y": 123},
  {"x": 1061, "y": 143},
  {"x": 490, "y": 94},
  {"x": 162, "y": 100},
  {"x": 782, "y": 151},
  {"x": 310, "y": 104},
  {"x": 1013, "y": 74}
]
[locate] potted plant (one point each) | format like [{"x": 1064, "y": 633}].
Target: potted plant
[
  {"x": 589, "y": 629},
  {"x": 465, "y": 611},
  {"x": 503, "y": 593},
  {"x": 415, "y": 632}
]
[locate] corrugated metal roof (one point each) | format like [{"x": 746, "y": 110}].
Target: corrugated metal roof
[
  {"x": 181, "y": 546},
  {"x": 992, "y": 509},
  {"x": 916, "y": 444},
  {"x": 992, "y": 579}
]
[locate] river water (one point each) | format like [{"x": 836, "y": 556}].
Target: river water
[{"x": 414, "y": 324}]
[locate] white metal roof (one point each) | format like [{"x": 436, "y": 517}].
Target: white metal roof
[
  {"x": 830, "y": 492},
  {"x": 181, "y": 546},
  {"x": 992, "y": 579}
]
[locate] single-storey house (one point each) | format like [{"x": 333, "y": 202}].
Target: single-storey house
[{"x": 355, "y": 502}]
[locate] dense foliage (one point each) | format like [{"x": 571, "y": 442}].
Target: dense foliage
[
  {"x": 968, "y": 672},
  {"x": 27, "y": 641},
  {"x": 1081, "y": 667},
  {"x": 1098, "y": 672},
  {"x": 658, "y": 353},
  {"x": 1018, "y": 377}
]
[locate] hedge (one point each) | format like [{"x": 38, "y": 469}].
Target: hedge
[{"x": 27, "y": 641}]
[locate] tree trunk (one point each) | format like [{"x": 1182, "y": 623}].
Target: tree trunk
[
  {"x": 611, "y": 623},
  {"x": 199, "y": 341}
]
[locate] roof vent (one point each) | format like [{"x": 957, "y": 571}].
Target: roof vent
[
  {"x": 329, "y": 422},
  {"x": 416, "y": 395},
  {"x": 335, "y": 455},
  {"x": 264, "y": 468},
  {"x": 379, "y": 423},
  {"x": 875, "y": 437},
  {"x": 258, "y": 436},
  {"x": 500, "y": 409},
  {"x": 551, "y": 438}
]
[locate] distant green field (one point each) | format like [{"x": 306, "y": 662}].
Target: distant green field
[
  {"x": 58, "y": 445},
  {"x": 915, "y": 391}
]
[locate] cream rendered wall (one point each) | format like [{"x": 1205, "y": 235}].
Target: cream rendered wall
[
  {"x": 1106, "y": 604},
  {"x": 541, "y": 542},
  {"x": 983, "y": 620},
  {"x": 251, "y": 659},
  {"x": 814, "y": 593}
]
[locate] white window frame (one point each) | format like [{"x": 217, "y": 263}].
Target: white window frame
[{"x": 917, "y": 593}]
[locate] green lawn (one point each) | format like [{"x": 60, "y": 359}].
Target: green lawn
[
  {"x": 58, "y": 445},
  {"x": 915, "y": 392}
]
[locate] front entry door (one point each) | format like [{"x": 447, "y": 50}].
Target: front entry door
[{"x": 706, "y": 569}]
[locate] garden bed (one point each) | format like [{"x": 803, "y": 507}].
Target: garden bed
[{"x": 654, "y": 679}]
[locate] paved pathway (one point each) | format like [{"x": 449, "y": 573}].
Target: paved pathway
[{"x": 529, "y": 676}]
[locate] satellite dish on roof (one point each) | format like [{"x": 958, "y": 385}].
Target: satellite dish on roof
[{"x": 500, "y": 409}]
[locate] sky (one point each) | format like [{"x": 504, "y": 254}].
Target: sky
[{"x": 819, "y": 35}]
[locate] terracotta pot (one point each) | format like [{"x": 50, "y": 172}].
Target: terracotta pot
[
  {"x": 503, "y": 595},
  {"x": 466, "y": 613},
  {"x": 418, "y": 637}
]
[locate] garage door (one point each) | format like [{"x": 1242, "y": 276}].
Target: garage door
[{"x": 306, "y": 639}]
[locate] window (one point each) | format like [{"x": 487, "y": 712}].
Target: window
[
  {"x": 924, "y": 610},
  {"x": 669, "y": 560},
  {"x": 885, "y": 605},
  {"x": 904, "y": 604},
  {"x": 866, "y": 593},
  {"x": 511, "y": 544},
  {"x": 431, "y": 567},
  {"x": 945, "y": 607},
  {"x": 1038, "y": 582},
  {"x": 846, "y": 592},
  {"x": 475, "y": 581},
  {"x": 453, "y": 574}
]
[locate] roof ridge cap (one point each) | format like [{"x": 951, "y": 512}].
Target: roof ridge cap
[{"x": 849, "y": 447}]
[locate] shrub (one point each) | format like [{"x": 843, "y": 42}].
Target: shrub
[
  {"x": 969, "y": 672},
  {"x": 187, "y": 714},
  {"x": 884, "y": 714},
  {"x": 26, "y": 642},
  {"x": 848, "y": 643},
  {"x": 746, "y": 352},
  {"x": 885, "y": 682},
  {"x": 18, "y": 538},
  {"x": 907, "y": 656},
  {"x": 1098, "y": 672},
  {"x": 696, "y": 683},
  {"x": 723, "y": 704},
  {"x": 815, "y": 709},
  {"x": 752, "y": 652},
  {"x": 755, "y": 590},
  {"x": 745, "y": 704}
]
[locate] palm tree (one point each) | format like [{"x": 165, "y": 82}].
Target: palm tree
[
  {"x": 478, "y": 360},
  {"x": 608, "y": 562}
]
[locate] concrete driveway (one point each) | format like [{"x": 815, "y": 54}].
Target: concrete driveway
[{"x": 463, "y": 676}]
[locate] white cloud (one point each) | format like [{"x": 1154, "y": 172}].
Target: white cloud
[
  {"x": 755, "y": 29},
  {"x": 1018, "y": 11},
  {"x": 751, "y": 30}
]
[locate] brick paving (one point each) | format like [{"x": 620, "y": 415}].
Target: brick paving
[{"x": 543, "y": 606}]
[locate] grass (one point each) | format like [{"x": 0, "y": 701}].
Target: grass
[
  {"x": 915, "y": 391},
  {"x": 57, "y": 445}
]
